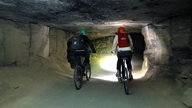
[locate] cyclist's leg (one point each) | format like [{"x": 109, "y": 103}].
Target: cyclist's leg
[
  {"x": 123, "y": 68},
  {"x": 77, "y": 59},
  {"x": 119, "y": 63},
  {"x": 129, "y": 65},
  {"x": 87, "y": 66},
  {"x": 87, "y": 60},
  {"x": 128, "y": 61}
]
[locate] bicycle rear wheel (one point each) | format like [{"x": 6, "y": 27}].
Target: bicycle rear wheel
[
  {"x": 88, "y": 72},
  {"x": 77, "y": 77},
  {"x": 126, "y": 82}
]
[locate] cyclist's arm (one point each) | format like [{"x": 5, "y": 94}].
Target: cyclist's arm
[
  {"x": 115, "y": 42},
  {"x": 91, "y": 45}
]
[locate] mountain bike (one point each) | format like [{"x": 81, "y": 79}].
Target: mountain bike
[
  {"x": 124, "y": 77},
  {"x": 79, "y": 72}
]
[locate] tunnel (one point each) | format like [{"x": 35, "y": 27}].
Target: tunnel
[
  {"x": 35, "y": 70},
  {"x": 104, "y": 56}
]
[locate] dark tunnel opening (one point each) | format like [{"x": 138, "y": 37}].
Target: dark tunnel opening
[{"x": 139, "y": 48}]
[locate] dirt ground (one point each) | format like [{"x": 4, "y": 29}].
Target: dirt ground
[{"x": 42, "y": 87}]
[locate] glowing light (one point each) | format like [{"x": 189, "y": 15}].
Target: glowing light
[
  {"x": 109, "y": 63},
  {"x": 111, "y": 77},
  {"x": 137, "y": 74}
]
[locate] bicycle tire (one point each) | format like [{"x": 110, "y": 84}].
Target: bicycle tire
[
  {"x": 77, "y": 78},
  {"x": 88, "y": 72},
  {"x": 126, "y": 82}
]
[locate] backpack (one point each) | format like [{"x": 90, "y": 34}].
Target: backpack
[
  {"x": 78, "y": 43},
  {"x": 123, "y": 40}
]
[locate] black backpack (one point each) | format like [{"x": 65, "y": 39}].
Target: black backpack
[{"x": 78, "y": 43}]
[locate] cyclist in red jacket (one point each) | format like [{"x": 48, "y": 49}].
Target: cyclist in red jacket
[{"x": 124, "y": 46}]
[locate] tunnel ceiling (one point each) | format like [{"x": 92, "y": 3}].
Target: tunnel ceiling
[{"x": 95, "y": 15}]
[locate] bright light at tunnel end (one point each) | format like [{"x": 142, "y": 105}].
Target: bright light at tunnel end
[{"x": 108, "y": 63}]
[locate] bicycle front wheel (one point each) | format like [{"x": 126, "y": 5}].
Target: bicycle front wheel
[
  {"x": 126, "y": 82},
  {"x": 77, "y": 77}
]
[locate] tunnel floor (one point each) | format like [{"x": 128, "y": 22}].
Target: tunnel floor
[{"x": 37, "y": 87}]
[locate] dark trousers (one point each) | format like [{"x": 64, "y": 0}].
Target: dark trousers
[
  {"x": 121, "y": 55},
  {"x": 78, "y": 58}
]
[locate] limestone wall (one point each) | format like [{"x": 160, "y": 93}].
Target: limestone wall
[
  {"x": 181, "y": 59},
  {"x": 20, "y": 41},
  {"x": 168, "y": 49},
  {"x": 58, "y": 50},
  {"x": 58, "y": 42},
  {"x": 157, "y": 50},
  {"x": 39, "y": 40},
  {"x": 14, "y": 43}
]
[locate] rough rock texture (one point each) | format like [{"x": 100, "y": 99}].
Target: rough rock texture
[
  {"x": 58, "y": 50},
  {"x": 181, "y": 50},
  {"x": 21, "y": 41},
  {"x": 39, "y": 43},
  {"x": 71, "y": 15},
  {"x": 157, "y": 54},
  {"x": 14, "y": 43}
]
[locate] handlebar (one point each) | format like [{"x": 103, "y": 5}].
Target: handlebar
[
  {"x": 84, "y": 51},
  {"x": 79, "y": 50}
]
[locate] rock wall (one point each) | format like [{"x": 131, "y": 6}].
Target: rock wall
[
  {"x": 14, "y": 43},
  {"x": 21, "y": 41},
  {"x": 58, "y": 50},
  {"x": 39, "y": 40},
  {"x": 58, "y": 42},
  {"x": 157, "y": 51},
  {"x": 168, "y": 50},
  {"x": 181, "y": 47}
]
